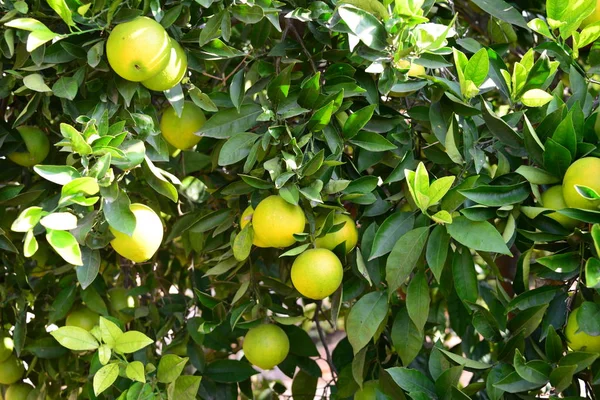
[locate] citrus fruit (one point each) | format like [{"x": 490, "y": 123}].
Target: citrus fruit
[
  {"x": 120, "y": 299},
  {"x": 317, "y": 273},
  {"x": 579, "y": 340},
  {"x": 414, "y": 70},
  {"x": 583, "y": 172},
  {"x": 553, "y": 198},
  {"x": 138, "y": 49},
  {"x": 368, "y": 391},
  {"x": 6, "y": 347},
  {"x": 11, "y": 370},
  {"x": 36, "y": 143},
  {"x": 348, "y": 234},
  {"x": 146, "y": 238},
  {"x": 245, "y": 219},
  {"x": 275, "y": 221},
  {"x": 18, "y": 391},
  {"x": 179, "y": 132},
  {"x": 266, "y": 346},
  {"x": 83, "y": 318},
  {"x": 172, "y": 74},
  {"x": 593, "y": 17}
]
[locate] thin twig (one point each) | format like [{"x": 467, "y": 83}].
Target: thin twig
[
  {"x": 324, "y": 342},
  {"x": 301, "y": 41}
]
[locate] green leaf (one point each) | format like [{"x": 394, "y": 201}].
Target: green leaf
[
  {"x": 63, "y": 10},
  {"x": 536, "y": 98},
  {"x": 27, "y": 220},
  {"x": 309, "y": 91},
  {"x": 87, "y": 273},
  {"x": 417, "y": 300},
  {"x": 105, "y": 377},
  {"x": 579, "y": 359},
  {"x": 364, "y": 319},
  {"x": 563, "y": 263},
  {"x": 527, "y": 321},
  {"x": 211, "y": 29},
  {"x": 537, "y": 176},
  {"x": 465, "y": 362},
  {"x": 439, "y": 188},
  {"x": 117, "y": 212},
  {"x": 248, "y": 14},
  {"x": 304, "y": 386},
  {"x": 186, "y": 387},
  {"x": 321, "y": 117},
  {"x": 412, "y": 380},
  {"x": 500, "y": 129},
  {"x": 372, "y": 141},
  {"x": 496, "y": 195},
  {"x": 237, "y": 89},
  {"x": 237, "y": 148},
  {"x": 109, "y": 332},
  {"x": 587, "y": 318},
  {"x": 62, "y": 221},
  {"x": 437, "y": 251},
  {"x": 513, "y": 383},
  {"x": 36, "y": 82},
  {"x": 65, "y": 87},
  {"x": 536, "y": 371},
  {"x": 65, "y": 244},
  {"x": 357, "y": 120},
  {"x": 135, "y": 371},
  {"x": 406, "y": 337},
  {"x": 227, "y": 122},
  {"x": 562, "y": 377},
  {"x": 389, "y": 232},
  {"x": 592, "y": 273},
  {"x": 132, "y": 341},
  {"x": 242, "y": 244},
  {"x": 75, "y": 338},
  {"x": 170, "y": 368},
  {"x": 465, "y": 277},
  {"x": 477, "y": 235},
  {"x": 365, "y": 26},
  {"x": 59, "y": 174},
  {"x": 404, "y": 256},
  {"x": 229, "y": 371},
  {"x": 78, "y": 143},
  {"x": 279, "y": 88},
  {"x": 503, "y": 11},
  {"x": 477, "y": 68},
  {"x": 160, "y": 180}
]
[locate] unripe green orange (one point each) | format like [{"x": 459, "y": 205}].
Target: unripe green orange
[
  {"x": 83, "y": 318},
  {"x": 146, "y": 238},
  {"x": 275, "y": 221},
  {"x": 179, "y": 132},
  {"x": 266, "y": 346},
  {"x": 245, "y": 219},
  {"x": 172, "y": 74},
  {"x": 553, "y": 198},
  {"x": 138, "y": 49},
  {"x": 36, "y": 143},
  {"x": 348, "y": 234},
  {"x": 579, "y": 340},
  {"x": 120, "y": 301},
  {"x": 583, "y": 172},
  {"x": 368, "y": 391},
  {"x": 6, "y": 347},
  {"x": 317, "y": 273},
  {"x": 11, "y": 370},
  {"x": 18, "y": 391}
]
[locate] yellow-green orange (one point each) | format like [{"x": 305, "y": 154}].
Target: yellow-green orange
[
  {"x": 317, "y": 273},
  {"x": 146, "y": 238},
  {"x": 275, "y": 221},
  {"x": 414, "y": 70},
  {"x": 593, "y": 17},
  {"x": 6, "y": 347},
  {"x": 18, "y": 391},
  {"x": 553, "y": 198},
  {"x": 138, "y": 49},
  {"x": 368, "y": 391},
  {"x": 179, "y": 132},
  {"x": 348, "y": 234},
  {"x": 579, "y": 340},
  {"x": 122, "y": 304},
  {"x": 11, "y": 370},
  {"x": 583, "y": 172},
  {"x": 245, "y": 219},
  {"x": 83, "y": 318},
  {"x": 172, "y": 74},
  {"x": 266, "y": 346},
  {"x": 36, "y": 143}
]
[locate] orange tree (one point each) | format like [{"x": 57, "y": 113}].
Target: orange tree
[{"x": 419, "y": 178}]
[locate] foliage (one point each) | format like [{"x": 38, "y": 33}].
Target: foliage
[{"x": 458, "y": 268}]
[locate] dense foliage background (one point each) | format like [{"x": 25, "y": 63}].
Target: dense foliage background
[{"x": 461, "y": 284}]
